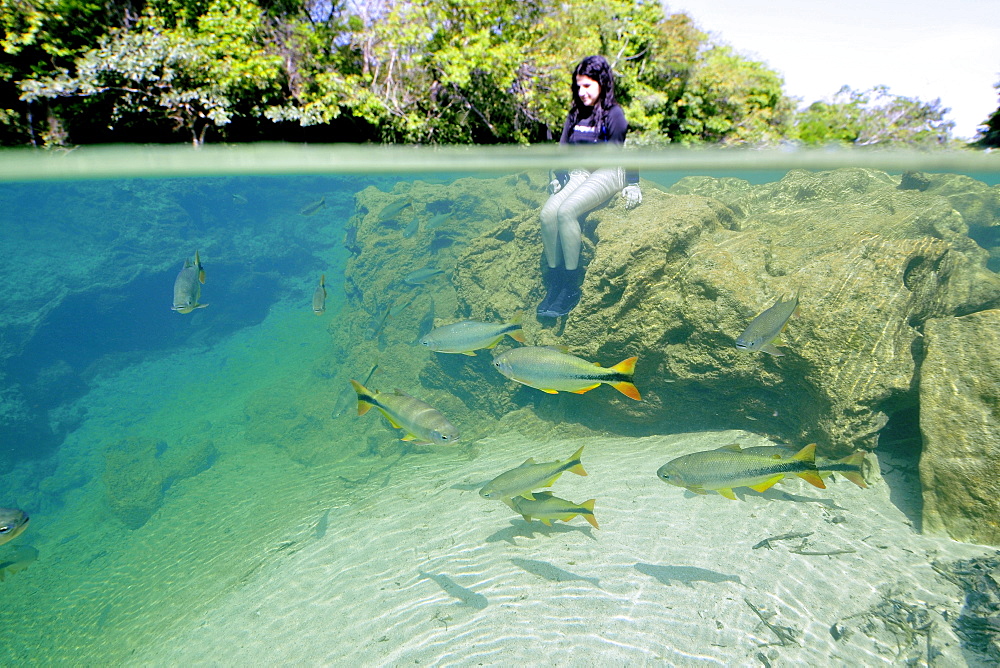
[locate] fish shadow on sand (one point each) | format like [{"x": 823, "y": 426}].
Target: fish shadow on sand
[
  {"x": 544, "y": 569},
  {"x": 772, "y": 494},
  {"x": 466, "y": 597},
  {"x": 669, "y": 575},
  {"x": 523, "y": 529}
]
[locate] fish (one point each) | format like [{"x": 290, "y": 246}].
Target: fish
[
  {"x": 187, "y": 286},
  {"x": 22, "y": 557},
  {"x": 319, "y": 296},
  {"x": 426, "y": 324},
  {"x": 390, "y": 211},
  {"x": 722, "y": 470},
  {"x": 545, "y": 507},
  {"x": 12, "y": 522},
  {"x": 351, "y": 241},
  {"x": 764, "y": 331},
  {"x": 470, "y": 335},
  {"x": 530, "y": 476},
  {"x": 313, "y": 207},
  {"x": 239, "y": 199},
  {"x": 849, "y": 466},
  {"x": 422, "y": 422},
  {"x": 412, "y": 228},
  {"x": 421, "y": 276},
  {"x": 437, "y": 221},
  {"x": 551, "y": 370},
  {"x": 348, "y": 397}
]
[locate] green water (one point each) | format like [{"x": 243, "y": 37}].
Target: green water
[{"x": 95, "y": 363}]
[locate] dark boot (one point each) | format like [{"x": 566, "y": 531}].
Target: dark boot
[
  {"x": 553, "y": 280},
  {"x": 569, "y": 294}
]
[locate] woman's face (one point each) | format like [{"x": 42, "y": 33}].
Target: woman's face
[{"x": 588, "y": 90}]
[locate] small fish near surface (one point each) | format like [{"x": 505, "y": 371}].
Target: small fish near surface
[
  {"x": 437, "y": 221},
  {"x": 319, "y": 296},
  {"x": 545, "y": 508},
  {"x": 530, "y": 476},
  {"x": 764, "y": 332},
  {"x": 313, "y": 207},
  {"x": 551, "y": 370},
  {"x": 421, "y": 276},
  {"x": 187, "y": 286},
  {"x": 422, "y": 422},
  {"x": 12, "y": 523},
  {"x": 390, "y": 211},
  {"x": 412, "y": 229},
  {"x": 465, "y": 337},
  {"x": 723, "y": 469}
]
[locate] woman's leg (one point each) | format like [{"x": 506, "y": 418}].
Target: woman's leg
[
  {"x": 550, "y": 218},
  {"x": 597, "y": 189}
]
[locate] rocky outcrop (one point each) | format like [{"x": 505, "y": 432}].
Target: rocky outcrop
[
  {"x": 960, "y": 424},
  {"x": 138, "y": 472},
  {"x": 676, "y": 280}
]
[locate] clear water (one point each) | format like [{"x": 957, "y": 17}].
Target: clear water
[{"x": 174, "y": 465}]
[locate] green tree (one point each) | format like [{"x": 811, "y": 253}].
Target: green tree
[
  {"x": 873, "y": 117},
  {"x": 196, "y": 77}
]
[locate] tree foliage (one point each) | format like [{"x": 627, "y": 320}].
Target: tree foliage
[
  {"x": 874, "y": 116},
  {"x": 428, "y": 71}
]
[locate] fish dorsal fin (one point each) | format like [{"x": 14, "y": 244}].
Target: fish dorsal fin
[
  {"x": 530, "y": 461},
  {"x": 806, "y": 454},
  {"x": 734, "y": 447},
  {"x": 542, "y": 496},
  {"x": 559, "y": 348}
]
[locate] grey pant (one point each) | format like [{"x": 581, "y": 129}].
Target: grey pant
[{"x": 584, "y": 192}]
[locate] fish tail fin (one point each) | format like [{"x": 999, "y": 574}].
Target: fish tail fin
[
  {"x": 626, "y": 368},
  {"x": 628, "y": 389},
  {"x": 322, "y": 280},
  {"x": 577, "y": 467},
  {"x": 365, "y": 399},
  {"x": 201, "y": 271},
  {"x": 515, "y": 328},
  {"x": 856, "y": 459},
  {"x": 589, "y": 505}
]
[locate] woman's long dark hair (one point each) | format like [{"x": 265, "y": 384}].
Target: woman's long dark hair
[{"x": 598, "y": 69}]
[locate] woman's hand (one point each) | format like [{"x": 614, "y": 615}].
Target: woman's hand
[{"x": 632, "y": 195}]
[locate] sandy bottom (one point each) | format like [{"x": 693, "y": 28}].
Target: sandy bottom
[{"x": 418, "y": 569}]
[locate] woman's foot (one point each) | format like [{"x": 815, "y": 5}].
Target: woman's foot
[{"x": 566, "y": 299}]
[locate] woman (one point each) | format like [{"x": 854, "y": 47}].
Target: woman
[{"x": 594, "y": 118}]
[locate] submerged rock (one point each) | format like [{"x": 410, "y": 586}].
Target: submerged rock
[
  {"x": 960, "y": 423},
  {"x": 676, "y": 280}
]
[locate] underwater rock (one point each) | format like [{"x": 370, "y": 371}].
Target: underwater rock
[
  {"x": 137, "y": 473},
  {"x": 960, "y": 424},
  {"x": 677, "y": 279}
]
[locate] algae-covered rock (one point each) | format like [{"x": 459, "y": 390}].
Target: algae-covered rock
[
  {"x": 677, "y": 279},
  {"x": 137, "y": 473},
  {"x": 960, "y": 424}
]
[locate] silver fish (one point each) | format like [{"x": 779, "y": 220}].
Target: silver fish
[
  {"x": 319, "y": 296},
  {"x": 187, "y": 286},
  {"x": 422, "y": 422},
  {"x": 12, "y": 523},
  {"x": 764, "y": 331},
  {"x": 421, "y": 276}
]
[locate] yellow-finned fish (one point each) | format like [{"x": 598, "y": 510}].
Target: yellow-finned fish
[
  {"x": 551, "y": 370},
  {"x": 723, "y": 469},
  {"x": 471, "y": 335},
  {"x": 319, "y": 296},
  {"x": 12, "y": 523},
  {"x": 530, "y": 476},
  {"x": 764, "y": 331},
  {"x": 422, "y": 422},
  {"x": 849, "y": 466},
  {"x": 545, "y": 507},
  {"x": 313, "y": 207},
  {"x": 187, "y": 286}
]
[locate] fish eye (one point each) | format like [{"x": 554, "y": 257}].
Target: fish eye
[{"x": 6, "y": 528}]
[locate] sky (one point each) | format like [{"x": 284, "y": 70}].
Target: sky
[{"x": 948, "y": 49}]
